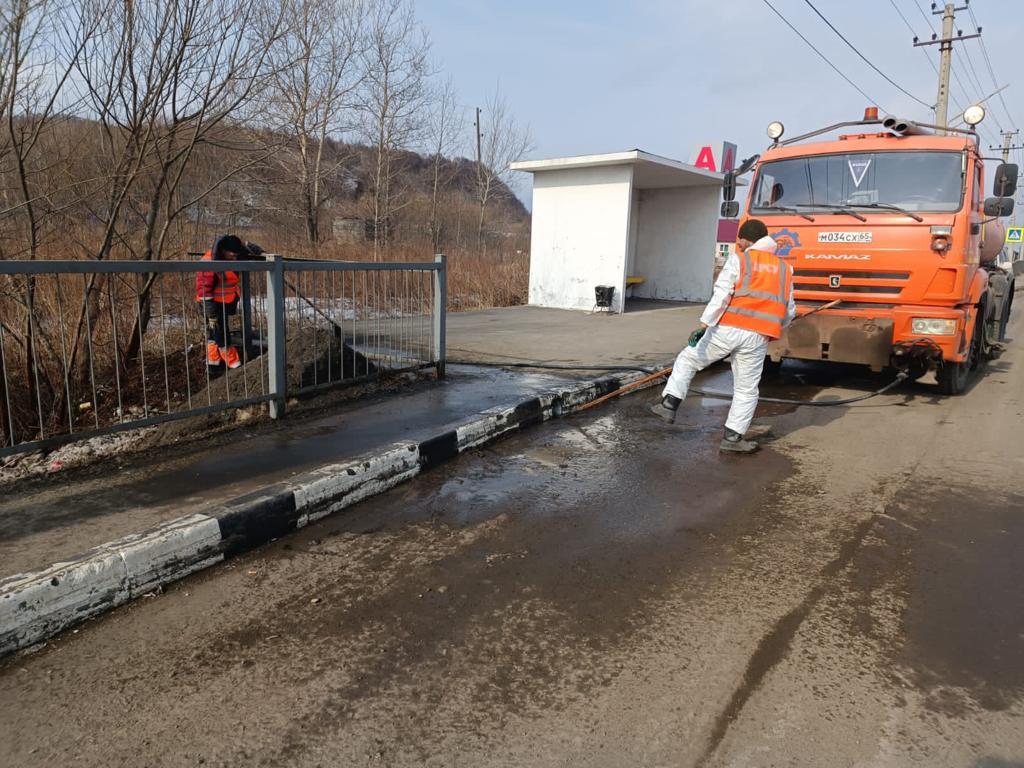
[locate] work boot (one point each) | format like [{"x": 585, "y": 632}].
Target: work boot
[
  {"x": 758, "y": 431},
  {"x": 231, "y": 357},
  {"x": 666, "y": 409},
  {"x": 734, "y": 442},
  {"x": 213, "y": 358}
]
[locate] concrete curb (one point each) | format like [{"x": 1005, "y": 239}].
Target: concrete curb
[{"x": 36, "y": 606}]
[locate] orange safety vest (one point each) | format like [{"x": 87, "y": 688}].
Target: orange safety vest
[
  {"x": 225, "y": 287},
  {"x": 762, "y": 294}
]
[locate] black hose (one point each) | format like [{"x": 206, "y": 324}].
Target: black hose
[
  {"x": 900, "y": 378},
  {"x": 554, "y": 366}
]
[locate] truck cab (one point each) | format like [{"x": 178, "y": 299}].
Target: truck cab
[{"x": 895, "y": 226}]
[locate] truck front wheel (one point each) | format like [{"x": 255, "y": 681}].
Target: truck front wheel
[{"x": 953, "y": 377}]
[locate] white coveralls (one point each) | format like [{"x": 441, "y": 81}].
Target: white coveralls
[{"x": 748, "y": 348}]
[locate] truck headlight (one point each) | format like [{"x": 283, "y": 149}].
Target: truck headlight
[{"x": 933, "y": 326}]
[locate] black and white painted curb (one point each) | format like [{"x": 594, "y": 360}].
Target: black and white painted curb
[{"x": 36, "y": 606}]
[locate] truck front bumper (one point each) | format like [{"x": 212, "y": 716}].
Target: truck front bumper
[{"x": 863, "y": 337}]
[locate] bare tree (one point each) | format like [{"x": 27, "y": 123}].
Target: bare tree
[
  {"x": 502, "y": 141},
  {"x": 162, "y": 80},
  {"x": 393, "y": 96},
  {"x": 34, "y": 70},
  {"x": 447, "y": 122},
  {"x": 317, "y": 71}
]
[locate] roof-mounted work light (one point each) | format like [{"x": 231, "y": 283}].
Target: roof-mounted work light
[
  {"x": 974, "y": 114},
  {"x": 775, "y": 130}
]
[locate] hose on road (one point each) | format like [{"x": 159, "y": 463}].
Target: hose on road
[
  {"x": 653, "y": 375},
  {"x": 554, "y": 366},
  {"x": 900, "y": 378}
]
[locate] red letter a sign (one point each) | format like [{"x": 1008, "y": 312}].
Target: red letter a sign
[{"x": 705, "y": 159}]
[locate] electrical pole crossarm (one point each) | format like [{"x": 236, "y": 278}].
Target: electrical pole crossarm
[
  {"x": 937, "y": 41},
  {"x": 1007, "y": 147}
]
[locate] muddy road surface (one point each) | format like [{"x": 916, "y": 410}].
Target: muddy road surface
[{"x": 604, "y": 591}]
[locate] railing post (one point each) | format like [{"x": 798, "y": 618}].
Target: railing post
[
  {"x": 440, "y": 311},
  {"x": 276, "y": 370},
  {"x": 246, "y": 316}
]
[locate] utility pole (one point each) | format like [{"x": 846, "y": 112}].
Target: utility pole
[
  {"x": 945, "y": 44},
  {"x": 479, "y": 181},
  {"x": 479, "y": 159},
  {"x": 1007, "y": 147}
]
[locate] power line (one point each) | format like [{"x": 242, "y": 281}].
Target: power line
[
  {"x": 963, "y": 88},
  {"x": 914, "y": 33},
  {"x": 988, "y": 62},
  {"x": 970, "y": 63},
  {"x": 822, "y": 55},
  {"x": 925, "y": 16},
  {"x": 897, "y": 9},
  {"x": 977, "y": 82},
  {"x": 865, "y": 58}
]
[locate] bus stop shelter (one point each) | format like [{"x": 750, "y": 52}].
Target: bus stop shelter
[{"x": 630, "y": 220}]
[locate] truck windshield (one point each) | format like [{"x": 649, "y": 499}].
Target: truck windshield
[{"x": 914, "y": 181}]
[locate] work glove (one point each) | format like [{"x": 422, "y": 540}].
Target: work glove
[{"x": 696, "y": 336}]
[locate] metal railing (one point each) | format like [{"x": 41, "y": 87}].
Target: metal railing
[{"x": 91, "y": 348}]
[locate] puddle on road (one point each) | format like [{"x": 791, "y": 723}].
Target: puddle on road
[{"x": 609, "y": 476}]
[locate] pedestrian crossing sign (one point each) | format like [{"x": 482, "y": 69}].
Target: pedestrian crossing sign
[{"x": 1015, "y": 234}]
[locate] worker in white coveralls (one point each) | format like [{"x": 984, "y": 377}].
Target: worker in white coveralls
[{"x": 751, "y": 303}]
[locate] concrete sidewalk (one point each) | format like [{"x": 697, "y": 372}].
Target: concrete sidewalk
[{"x": 649, "y": 332}]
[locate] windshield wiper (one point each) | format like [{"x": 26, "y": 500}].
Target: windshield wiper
[
  {"x": 837, "y": 208},
  {"x": 888, "y": 207},
  {"x": 784, "y": 209}
]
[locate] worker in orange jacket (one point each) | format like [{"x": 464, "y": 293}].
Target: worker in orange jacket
[
  {"x": 218, "y": 294},
  {"x": 751, "y": 303}
]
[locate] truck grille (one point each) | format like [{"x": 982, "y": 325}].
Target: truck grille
[{"x": 887, "y": 284}]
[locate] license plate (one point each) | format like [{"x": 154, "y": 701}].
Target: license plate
[{"x": 844, "y": 237}]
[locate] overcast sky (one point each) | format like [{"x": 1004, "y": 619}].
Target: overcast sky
[{"x": 666, "y": 75}]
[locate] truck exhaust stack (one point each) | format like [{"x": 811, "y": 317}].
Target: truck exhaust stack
[{"x": 902, "y": 127}]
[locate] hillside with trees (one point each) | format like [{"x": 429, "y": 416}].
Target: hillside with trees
[{"x": 139, "y": 130}]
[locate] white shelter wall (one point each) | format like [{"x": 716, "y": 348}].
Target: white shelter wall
[
  {"x": 675, "y": 251},
  {"x": 580, "y": 235}
]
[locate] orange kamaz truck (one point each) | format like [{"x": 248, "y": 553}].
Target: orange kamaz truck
[{"x": 890, "y": 218}]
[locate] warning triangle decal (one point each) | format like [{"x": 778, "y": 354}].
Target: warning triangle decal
[{"x": 857, "y": 170}]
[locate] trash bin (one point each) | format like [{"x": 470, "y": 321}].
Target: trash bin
[{"x": 603, "y": 296}]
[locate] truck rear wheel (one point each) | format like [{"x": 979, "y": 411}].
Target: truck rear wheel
[{"x": 953, "y": 377}]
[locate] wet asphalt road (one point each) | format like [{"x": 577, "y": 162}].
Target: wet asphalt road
[{"x": 602, "y": 590}]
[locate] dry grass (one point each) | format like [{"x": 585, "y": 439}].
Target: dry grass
[{"x": 497, "y": 278}]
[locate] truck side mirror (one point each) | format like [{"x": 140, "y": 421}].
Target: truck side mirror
[
  {"x": 1005, "y": 182},
  {"x": 730, "y": 209},
  {"x": 729, "y": 186},
  {"x": 998, "y": 206},
  {"x": 747, "y": 164}
]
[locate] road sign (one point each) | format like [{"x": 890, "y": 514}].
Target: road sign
[{"x": 1015, "y": 234}]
